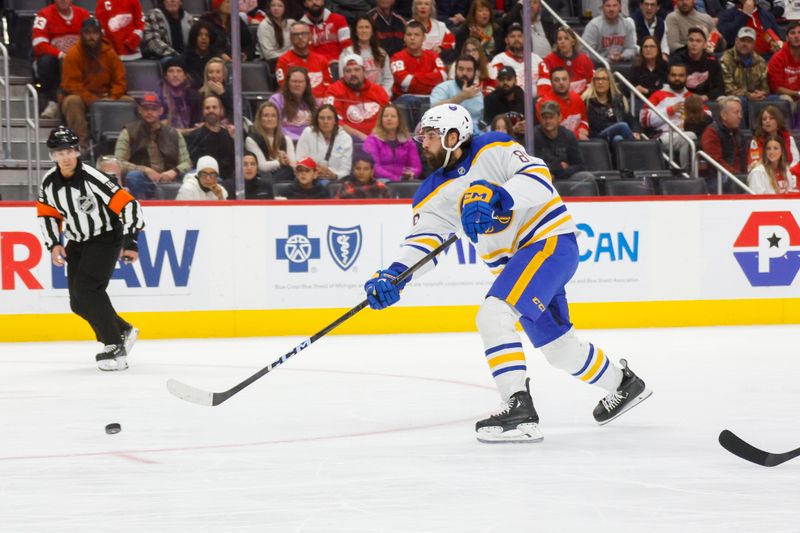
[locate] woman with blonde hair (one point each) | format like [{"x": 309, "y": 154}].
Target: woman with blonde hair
[
  {"x": 215, "y": 82},
  {"x": 607, "y": 110},
  {"x": 391, "y": 146},
  {"x": 772, "y": 175},
  {"x": 273, "y": 151},
  {"x": 771, "y": 122}
]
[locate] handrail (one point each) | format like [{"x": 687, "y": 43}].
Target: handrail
[
  {"x": 633, "y": 90},
  {"x": 722, "y": 170},
  {"x": 32, "y": 123},
  {"x": 5, "y": 114}
]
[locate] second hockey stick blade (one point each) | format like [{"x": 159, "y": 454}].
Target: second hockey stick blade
[{"x": 748, "y": 452}]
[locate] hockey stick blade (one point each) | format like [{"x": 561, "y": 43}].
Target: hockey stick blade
[
  {"x": 746, "y": 451},
  {"x": 212, "y": 399}
]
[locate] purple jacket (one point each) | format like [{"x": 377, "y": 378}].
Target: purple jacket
[{"x": 390, "y": 161}]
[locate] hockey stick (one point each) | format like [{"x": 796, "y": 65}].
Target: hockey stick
[
  {"x": 738, "y": 447},
  {"x": 212, "y": 399}
]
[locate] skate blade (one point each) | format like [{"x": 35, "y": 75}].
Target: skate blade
[
  {"x": 528, "y": 432},
  {"x": 111, "y": 365},
  {"x": 131, "y": 340},
  {"x": 646, "y": 393}
]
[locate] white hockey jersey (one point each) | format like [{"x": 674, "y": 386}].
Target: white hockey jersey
[{"x": 537, "y": 213}]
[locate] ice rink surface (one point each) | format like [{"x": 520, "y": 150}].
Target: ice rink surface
[{"x": 375, "y": 434}]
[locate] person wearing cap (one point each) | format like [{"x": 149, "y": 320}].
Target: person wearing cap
[
  {"x": 182, "y": 102},
  {"x": 376, "y": 58},
  {"x": 744, "y": 72},
  {"x": 783, "y": 68},
  {"x": 751, "y": 14},
  {"x": 356, "y": 99},
  {"x": 92, "y": 70},
  {"x": 55, "y": 29},
  {"x": 508, "y": 97},
  {"x": 513, "y": 56},
  {"x": 464, "y": 90},
  {"x": 305, "y": 185},
  {"x": 557, "y": 146},
  {"x": 611, "y": 34},
  {"x": 166, "y": 30},
  {"x": 703, "y": 71},
  {"x": 123, "y": 26},
  {"x": 203, "y": 184},
  {"x": 150, "y": 152}
]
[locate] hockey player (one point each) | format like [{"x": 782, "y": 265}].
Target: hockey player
[
  {"x": 491, "y": 191},
  {"x": 101, "y": 223}
]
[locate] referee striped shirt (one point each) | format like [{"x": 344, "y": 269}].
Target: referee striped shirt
[{"x": 85, "y": 206}]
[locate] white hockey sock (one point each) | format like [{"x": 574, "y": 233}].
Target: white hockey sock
[
  {"x": 583, "y": 360},
  {"x": 497, "y": 325}
]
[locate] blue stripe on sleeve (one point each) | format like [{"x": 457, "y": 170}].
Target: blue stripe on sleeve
[{"x": 537, "y": 178}]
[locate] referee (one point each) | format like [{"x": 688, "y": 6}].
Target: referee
[{"x": 101, "y": 223}]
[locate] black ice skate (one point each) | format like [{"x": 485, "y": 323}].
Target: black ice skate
[
  {"x": 631, "y": 391},
  {"x": 129, "y": 337},
  {"x": 516, "y": 421},
  {"x": 113, "y": 357}
]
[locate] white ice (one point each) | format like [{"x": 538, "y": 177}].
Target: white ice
[{"x": 375, "y": 434}]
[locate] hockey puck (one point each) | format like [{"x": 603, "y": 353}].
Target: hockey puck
[{"x": 113, "y": 428}]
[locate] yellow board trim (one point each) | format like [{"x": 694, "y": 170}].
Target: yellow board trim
[
  {"x": 595, "y": 367},
  {"x": 305, "y": 322},
  {"x": 500, "y": 359},
  {"x": 530, "y": 270}
]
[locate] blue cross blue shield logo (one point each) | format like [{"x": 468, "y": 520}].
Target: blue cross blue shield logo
[
  {"x": 344, "y": 244},
  {"x": 298, "y": 248}
]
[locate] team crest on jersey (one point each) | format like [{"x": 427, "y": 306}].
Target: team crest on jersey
[
  {"x": 344, "y": 244},
  {"x": 87, "y": 203}
]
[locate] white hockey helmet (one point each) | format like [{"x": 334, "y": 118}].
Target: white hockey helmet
[{"x": 442, "y": 119}]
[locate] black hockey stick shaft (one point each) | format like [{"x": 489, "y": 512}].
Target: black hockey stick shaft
[
  {"x": 219, "y": 397},
  {"x": 746, "y": 451}
]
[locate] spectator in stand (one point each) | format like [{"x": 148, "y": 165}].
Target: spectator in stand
[
  {"x": 273, "y": 151},
  {"x": 566, "y": 54},
  {"x": 356, "y": 99},
  {"x": 391, "y": 146},
  {"x": 251, "y": 13},
  {"x": 389, "y": 26},
  {"x": 750, "y": 14},
  {"x": 507, "y": 97},
  {"x": 330, "y": 33},
  {"x": 305, "y": 185},
  {"x": 571, "y": 107},
  {"x": 543, "y": 25},
  {"x": 219, "y": 20},
  {"x": 123, "y": 26},
  {"x": 649, "y": 22},
  {"x": 695, "y": 117},
  {"x": 91, "y": 71},
  {"x": 166, "y": 30},
  {"x": 703, "y": 72},
  {"x": 376, "y": 59},
  {"x": 151, "y": 152},
  {"x": 463, "y": 90},
  {"x": 745, "y": 73},
  {"x": 300, "y": 55},
  {"x": 198, "y": 52},
  {"x": 723, "y": 141},
  {"x": 485, "y": 74},
  {"x": 772, "y": 175},
  {"x": 416, "y": 71},
  {"x": 670, "y": 101},
  {"x": 183, "y": 105},
  {"x": 480, "y": 25},
  {"x": 557, "y": 146},
  {"x": 783, "y": 69},
  {"x": 273, "y": 33},
  {"x": 214, "y": 137},
  {"x": 215, "y": 81},
  {"x": 437, "y": 37},
  {"x": 683, "y": 17},
  {"x": 649, "y": 72},
  {"x": 771, "y": 122},
  {"x": 452, "y": 12},
  {"x": 502, "y": 124},
  {"x": 327, "y": 144},
  {"x": 612, "y": 35},
  {"x": 255, "y": 186},
  {"x": 111, "y": 167},
  {"x": 362, "y": 183},
  {"x": 513, "y": 57},
  {"x": 203, "y": 184},
  {"x": 607, "y": 110},
  {"x": 56, "y": 29},
  {"x": 295, "y": 103}
]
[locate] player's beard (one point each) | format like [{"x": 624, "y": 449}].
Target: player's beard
[{"x": 434, "y": 160}]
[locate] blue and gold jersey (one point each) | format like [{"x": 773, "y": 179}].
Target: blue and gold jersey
[{"x": 537, "y": 213}]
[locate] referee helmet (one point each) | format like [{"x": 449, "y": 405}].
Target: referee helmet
[{"x": 62, "y": 137}]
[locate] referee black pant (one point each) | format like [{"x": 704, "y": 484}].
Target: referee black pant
[{"x": 90, "y": 265}]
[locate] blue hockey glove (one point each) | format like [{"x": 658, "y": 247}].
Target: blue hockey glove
[
  {"x": 381, "y": 289},
  {"x": 479, "y": 203}
]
